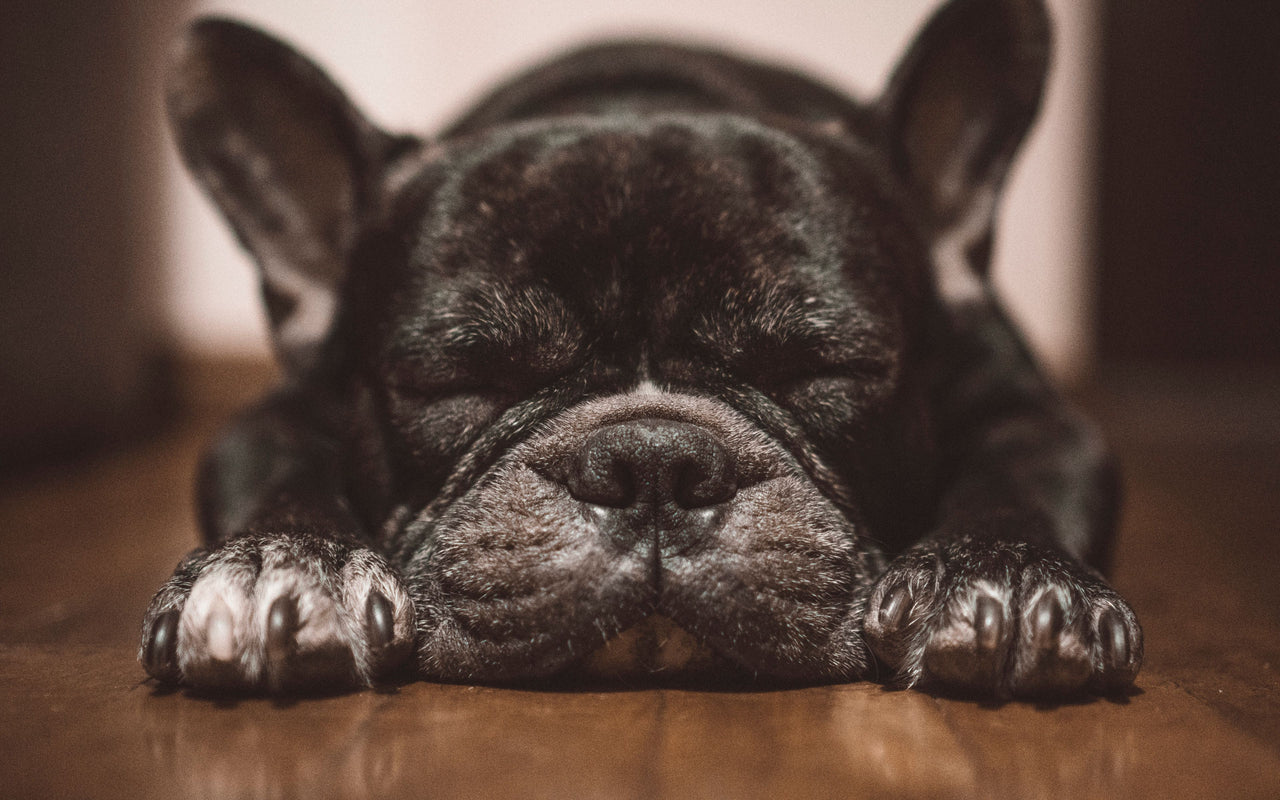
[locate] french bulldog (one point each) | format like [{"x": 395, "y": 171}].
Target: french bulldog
[{"x": 657, "y": 361}]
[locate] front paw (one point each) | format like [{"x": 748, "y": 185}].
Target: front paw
[
  {"x": 279, "y": 613},
  {"x": 999, "y": 619}
]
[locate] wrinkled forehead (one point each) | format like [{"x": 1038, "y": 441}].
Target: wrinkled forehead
[{"x": 650, "y": 229}]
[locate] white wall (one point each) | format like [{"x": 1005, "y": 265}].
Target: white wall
[{"x": 412, "y": 63}]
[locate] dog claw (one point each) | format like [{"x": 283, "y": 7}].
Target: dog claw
[
  {"x": 379, "y": 620},
  {"x": 895, "y": 608},
  {"x": 1047, "y": 617},
  {"x": 221, "y": 632},
  {"x": 988, "y": 623},
  {"x": 1113, "y": 637},
  {"x": 160, "y": 658},
  {"x": 282, "y": 624}
]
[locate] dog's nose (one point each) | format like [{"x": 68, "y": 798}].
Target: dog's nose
[{"x": 655, "y": 465}]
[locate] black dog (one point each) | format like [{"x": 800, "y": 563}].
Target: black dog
[{"x": 658, "y": 358}]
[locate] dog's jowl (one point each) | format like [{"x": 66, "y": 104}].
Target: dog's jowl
[{"x": 658, "y": 360}]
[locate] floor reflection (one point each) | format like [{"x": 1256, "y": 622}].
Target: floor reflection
[{"x": 467, "y": 741}]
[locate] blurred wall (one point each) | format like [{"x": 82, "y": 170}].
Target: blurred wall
[
  {"x": 81, "y": 333},
  {"x": 1190, "y": 240},
  {"x": 411, "y": 63}
]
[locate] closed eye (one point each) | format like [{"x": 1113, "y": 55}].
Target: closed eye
[
  {"x": 439, "y": 381},
  {"x": 834, "y": 399},
  {"x": 814, "y": 377},
  {"x": 493, "y": 338},
  {"x": 800, "y": 370}
]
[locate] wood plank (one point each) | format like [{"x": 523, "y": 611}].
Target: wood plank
[{"x": 76, "y": 721}]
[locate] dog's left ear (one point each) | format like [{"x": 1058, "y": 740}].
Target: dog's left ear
[
  {"x": 959, "y": 104},
  {"x": 289, "y": 161}
]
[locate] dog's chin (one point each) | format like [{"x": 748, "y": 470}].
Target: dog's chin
[
  {"x": 656, "y": 648},
  {"x": 659, "y": 652}
]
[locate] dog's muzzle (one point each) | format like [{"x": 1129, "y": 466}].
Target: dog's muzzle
[{"x": 642, "y": 534}]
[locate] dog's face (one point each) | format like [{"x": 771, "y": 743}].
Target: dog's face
[
  {"x": 639, "y": 368},
  {"x": 620, "y": 390}
]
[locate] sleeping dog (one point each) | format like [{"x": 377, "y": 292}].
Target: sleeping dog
[{"x": 657, "y": 361}]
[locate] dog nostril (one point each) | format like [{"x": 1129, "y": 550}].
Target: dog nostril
[
  {"x": 699, "y": 485},
  {"x": 654, "y": 462},
  {"x": 603, "y": 479}
]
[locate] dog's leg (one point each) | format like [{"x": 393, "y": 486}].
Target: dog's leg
[
  {"x": 288, "y": 593},
  {"x": 1003, "y": 598}
]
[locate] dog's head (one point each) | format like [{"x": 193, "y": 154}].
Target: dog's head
[{"x": 656, "y": 379}]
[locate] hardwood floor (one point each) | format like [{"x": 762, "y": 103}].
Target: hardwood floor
[{"x": 83, "y": 547}]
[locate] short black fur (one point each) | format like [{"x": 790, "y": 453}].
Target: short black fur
[{"x": 659, "y": 359}]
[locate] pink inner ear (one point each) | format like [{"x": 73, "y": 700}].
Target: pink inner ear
[
  {"x": 962, "y": 99},
  {"x": 288, "y": 161}
]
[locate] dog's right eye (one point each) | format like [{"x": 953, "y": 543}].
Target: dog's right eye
[
  {"x": 421, "y": 394},
  {"x": 457, "y": 374},
  {"x": 424, "y": 386},
  {"x": 438, "y": 419},
  {"x": 442, "y": 420}
]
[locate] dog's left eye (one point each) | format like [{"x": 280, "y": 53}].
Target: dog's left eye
[
  {"x": 826, "y": 390},
  {"x": 835, "y": 398},
  {"x": 829, "y": 404}
]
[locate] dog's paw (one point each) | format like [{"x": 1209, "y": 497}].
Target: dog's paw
[
  {"x": 283, "y": 613},
  {"x": 1001, "y": 620}
]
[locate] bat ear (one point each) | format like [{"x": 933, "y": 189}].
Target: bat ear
[
  {"x": 960, "y": 103},
  {"x": 288, "y": 160}
]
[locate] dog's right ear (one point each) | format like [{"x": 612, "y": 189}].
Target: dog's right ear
[{"x": 289, "y": 161}]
